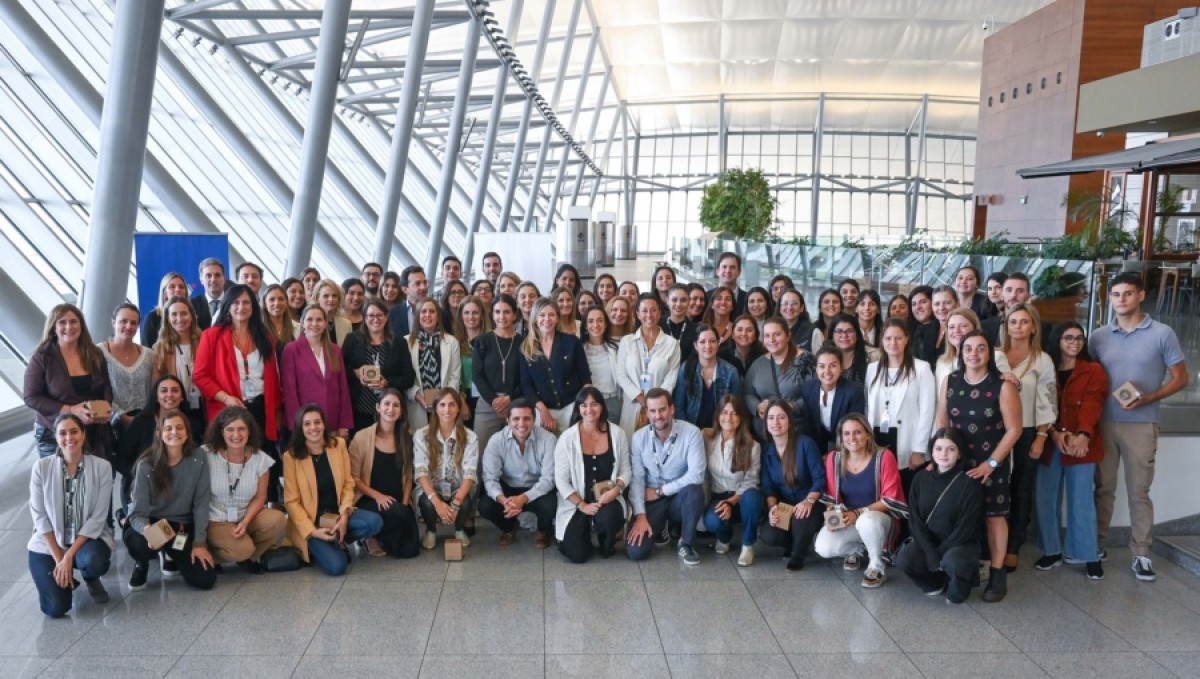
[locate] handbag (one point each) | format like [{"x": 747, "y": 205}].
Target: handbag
[{"x": 281, "y": 560}]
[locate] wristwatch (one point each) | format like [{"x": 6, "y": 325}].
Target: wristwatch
[
  {"x": 992, "y": 462},
  {"x": 658, "y": 492}
]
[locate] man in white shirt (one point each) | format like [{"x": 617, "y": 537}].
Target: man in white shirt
[{"x": 518, "y": 476}]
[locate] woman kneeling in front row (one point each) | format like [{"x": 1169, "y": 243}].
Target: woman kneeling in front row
[
  {"x": 241, "y": 528},
  {"x": 860, "y": 476},
  {"x": 946, "y": 519},
  {"x": 171, "y": 483},
  {"x": 318, "y": 491},
  {"x": 69, "y": 495}
]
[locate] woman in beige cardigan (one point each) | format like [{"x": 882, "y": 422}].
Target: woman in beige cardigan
[
  {"x": 318, "y": 484},
  {"x": 381, "y": 462}
]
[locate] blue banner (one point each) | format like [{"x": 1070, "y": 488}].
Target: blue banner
[{"x": 158, "y": 254}]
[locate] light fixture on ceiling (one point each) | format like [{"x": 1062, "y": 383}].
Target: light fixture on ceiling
[{"x": 989, "y": 24}]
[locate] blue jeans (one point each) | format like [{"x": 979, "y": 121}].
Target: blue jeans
[
  {"x": 686, "y": 507},
  {"x": 92, "y": 561},
  {"x": 749, "y": 510},
  {"x": 1081, "y": 544},
  {"x": 329, "y": 556}
]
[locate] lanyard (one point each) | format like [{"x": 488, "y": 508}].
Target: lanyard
[
  {"x": 666, "y": 453},
  {"x": 233, "y": 484}
]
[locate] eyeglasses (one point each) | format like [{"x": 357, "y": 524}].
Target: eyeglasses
[
  {"x": 1072, "y": 338},
  {"x": 844, "y": 331},
  {"x": 376, "y": 316}
]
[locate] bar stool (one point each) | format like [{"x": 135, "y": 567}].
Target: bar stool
[{"x": 1170, "y": 277}]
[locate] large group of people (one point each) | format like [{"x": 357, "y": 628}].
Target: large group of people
[{"x": 312, "y": 422}]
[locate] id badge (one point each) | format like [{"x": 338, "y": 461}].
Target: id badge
[
  {"x": 193, "y": 398},
  {"x": 645, "y": 380},
  {"x": 180, "y": 542},
  {"x": 885, "y": 426}
]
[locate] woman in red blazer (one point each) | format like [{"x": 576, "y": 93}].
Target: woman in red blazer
[
  {"x": 1082, "y": 388},
  {"x": 314, "y": 371},
  {"x": 235, "y": 363}
]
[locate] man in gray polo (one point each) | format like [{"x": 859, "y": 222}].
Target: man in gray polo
[
  {"x": 1144, "y": 353},
  {"x": 518, "y": 475}
]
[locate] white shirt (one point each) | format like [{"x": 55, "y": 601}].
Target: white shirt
[
  {"x": 827, "y": 408},
  {"x": 250, "y": 368},
  {"x": 234, "y": 485}
]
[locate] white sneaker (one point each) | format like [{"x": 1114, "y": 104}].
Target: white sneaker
[
  {"x": 747, "y": 557},
  {"x": 462, "y": 536},
  {"x": 722, "y": 547},
  {"x": 430, "y": 540}
]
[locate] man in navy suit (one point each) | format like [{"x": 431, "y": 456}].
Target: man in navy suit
[
  {"x": 828, "y": 398},
  {"x": 729, "y": 268},
  {"x": 208, "y": 301},
  {"x": 415, "y": 286}
]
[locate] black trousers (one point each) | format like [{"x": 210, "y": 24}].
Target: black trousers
[
  {"x": 544, "y": 508},
  {"x": 258, "y": 410},
  {"x": 576, "y": 544},
  {"x": 1022, "y": 487},
  {"x": 430, "y": 517},
  {"x": 798, "y": 539},
  {"x": 958, "y": 566},
  {"x": 194, "y": 574},
  {"x": 400, "y": 537}
]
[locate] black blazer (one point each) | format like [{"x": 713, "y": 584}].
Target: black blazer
[
  {"x": 556, "y": 382},
  {"x": 397, "y": 369},
  {"x": 398, "y": 320},
  {"x": 925, "y": 346},
  {"x": 848, "y": 398},
  {"x": 151, "y": 326},
  {"x": 203, "y": 313}
]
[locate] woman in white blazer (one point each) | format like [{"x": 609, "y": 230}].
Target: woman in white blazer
[
  {"x": 69, "y": 497},
  {"x": 646, "y": 359},
  {"x": 436, "y": 359},
  {"x": 901, "y": 398},
  {"x": 591, "y": 472}
]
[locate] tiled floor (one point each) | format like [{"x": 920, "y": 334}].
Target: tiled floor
[{"x": 521, "y": 612}]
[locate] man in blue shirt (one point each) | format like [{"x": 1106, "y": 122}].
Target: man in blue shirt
[
  {"x": 518, "y": 476},
  {"x": 668, "y": 473},
  {"x": 1144, "y": 353}
]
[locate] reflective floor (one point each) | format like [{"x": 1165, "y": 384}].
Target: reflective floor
[{"x": 520, "y": 612}]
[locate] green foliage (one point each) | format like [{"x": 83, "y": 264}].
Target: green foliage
[
  {"x": 996, "y": 244},
  {"x": 854, "y": 243},
  {"x": 1168, "y": 204},
  {"x": 1102, "y": 234},
  {"x": 740, "y": 203},
  {"x": 1054, "y": 282}
]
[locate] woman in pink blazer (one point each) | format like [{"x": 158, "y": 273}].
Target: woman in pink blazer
[{"x": 313, "y": 371}]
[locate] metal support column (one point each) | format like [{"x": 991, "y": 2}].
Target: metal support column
[
  {"x": 124, "y": 129},
  {"x": 535, "y": 187},
  {"x": 518, "y": 151},
  {"x": 488, "y": 153},
  {"x": 612, "y": 134},
  {"x": 591, "y": 138},
  {"x": 722, "y": 135},
  {"x": 559, "y": 176},
  {"x": 406, "y": 111},
  {"x": 633, "y": 173},
  {"x": 454, "y": 134},
  {"x": 322, "y": 98},
  {"x": 627, "y": 186},
  {"x": 914, "y": 178},
  {"x": 818, "y": 133}
]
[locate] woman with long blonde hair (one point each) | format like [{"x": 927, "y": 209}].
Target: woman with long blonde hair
[
  {"x": 173, "y": 284},
  {"x": 621, "y": 319},
  {"x": 554, "y": 367}
]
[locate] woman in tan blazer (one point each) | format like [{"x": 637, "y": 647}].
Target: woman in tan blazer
[
  {"x": 319, "y": 495},
  {"x": 381, "y": 462}
]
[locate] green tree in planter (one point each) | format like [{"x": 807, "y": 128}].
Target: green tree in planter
[{"x": 741, "y": 204}]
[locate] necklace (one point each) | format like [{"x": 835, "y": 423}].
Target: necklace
[{"x": 504, "y": 354}]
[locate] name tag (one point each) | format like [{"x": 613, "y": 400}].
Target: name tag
[{"x": 179, "y": 542}]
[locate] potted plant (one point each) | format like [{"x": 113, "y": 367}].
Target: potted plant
[
  {"x": 740, "y": 204},
  {"x": 1058, "y": 293}
]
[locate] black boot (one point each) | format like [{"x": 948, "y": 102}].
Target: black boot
[{"x": 997, "y": 585}]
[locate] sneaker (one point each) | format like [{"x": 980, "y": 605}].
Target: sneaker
[
  {"x": 794, "y": 565},
  {"x": 462, "y": 536},
  {"x": 137, "y": 581},
  {"x": 664, "y": 537},
  {"x": 1143, "y": 569},
  {"x": 747, "y": 556},
  {"x": 507, "y": 539},
  {"x": 170, "y": 569},
  {"x": 1104, "y": 555},
  {"x": 873, "y": 578},
  {"x": 689, "y": 555},
  {"x": 1095, "y": 571},
  {"x": 938, "y": 591},
  {"x": 1047, "y": 562},
  {"x": 852, "y": 562},
  {"x": 96, "y": 591},
  {"x": 430, "y": 540},
  {"x": 721, "y": 547}
]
